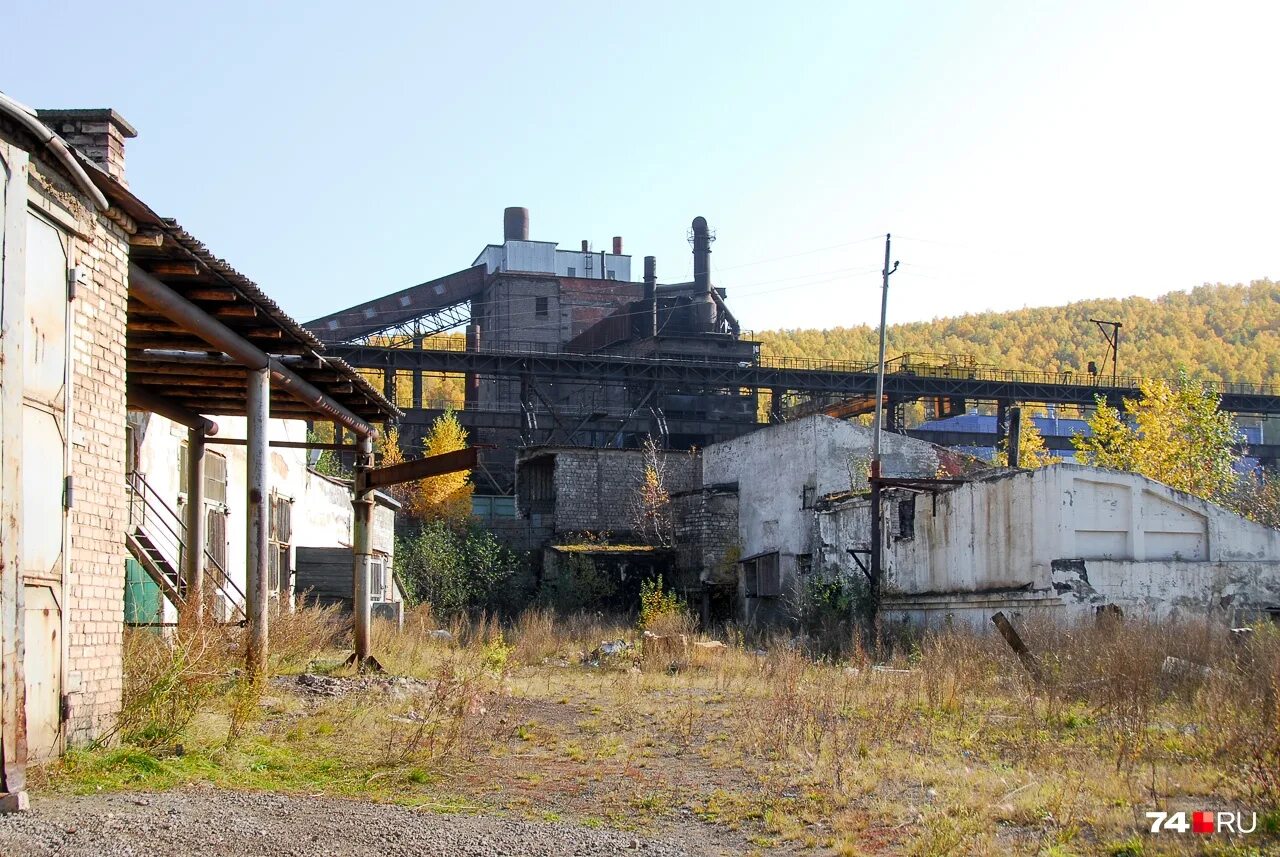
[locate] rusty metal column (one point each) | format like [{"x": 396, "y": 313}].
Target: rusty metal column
[
  {"x": 1002, "y": 422},
  {"x": 775, "y": 405},
  {"x": 193, "y": 560},
  {"x": 362, "y": 551},
  {"x": 417, "y": 375},
  {"x": 471, "y": 382},
  {"x": 257, "y": 580}
]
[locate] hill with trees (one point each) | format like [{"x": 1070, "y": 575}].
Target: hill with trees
[{"x": 1215, "y": 332}]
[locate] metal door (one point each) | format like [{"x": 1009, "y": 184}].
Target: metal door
[{"x": 46, "y": 395}]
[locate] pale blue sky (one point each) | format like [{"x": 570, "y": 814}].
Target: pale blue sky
[{"x": 1027, "y": 153}]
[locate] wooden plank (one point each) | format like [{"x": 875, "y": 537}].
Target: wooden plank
[
  {"x": 146, "y": 239},
  {"x": 211, "y": 294},
  {"x": 236, "y": 311},
  {"x": 175, "y": 269}
]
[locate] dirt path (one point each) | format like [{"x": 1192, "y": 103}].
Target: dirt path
[{"x": 215, "y": 823}]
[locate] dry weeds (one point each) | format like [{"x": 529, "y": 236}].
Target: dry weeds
[{"x": 935, "y": 745}]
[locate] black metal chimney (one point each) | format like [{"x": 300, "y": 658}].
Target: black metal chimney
[
  {"x": 515, "y": 224},
  {"x": 701, "y": 255},
  {"x": 650, "y": 296},
  {"x": 704, "y": 306}
]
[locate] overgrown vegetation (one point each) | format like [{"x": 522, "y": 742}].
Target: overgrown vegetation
[
  {"x": 934, "y": 744},
  {"x": 1178, "y": 435},
  {"x": 458, "y": 567}
]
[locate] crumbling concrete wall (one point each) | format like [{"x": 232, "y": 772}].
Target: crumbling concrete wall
[
  {"x": 1070, "y": 539},
  {"x": 782, "y": 471},
  {"x": 706, "y": 534}
]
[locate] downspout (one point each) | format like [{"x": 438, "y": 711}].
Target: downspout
[{"x": 54, "y": 145}]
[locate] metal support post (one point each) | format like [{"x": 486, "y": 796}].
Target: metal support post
[
  {"x": 193, "y": 560},
  {"x": 362, "y": 553},
  {"x": 1015, "y": 436},
  {"x": 877, "y": 547},
  {"x": 775, "y": 405},
  {"x": 417, "y": 374},
  {"x": 257, "y": 584},
  {"x": 1002, "y": 422}
]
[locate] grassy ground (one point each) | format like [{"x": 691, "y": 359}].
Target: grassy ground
[{"x": 941, "y": 745}]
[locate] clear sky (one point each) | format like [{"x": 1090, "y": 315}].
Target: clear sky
[{"x": 1026, "y": 153}]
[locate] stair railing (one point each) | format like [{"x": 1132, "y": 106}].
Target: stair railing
[{"x": 151, "y": 515}]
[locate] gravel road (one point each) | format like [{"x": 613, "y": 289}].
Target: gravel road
[{"x": 214, "y": 823}]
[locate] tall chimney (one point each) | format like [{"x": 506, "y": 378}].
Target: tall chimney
[
  {"x": 98, "y": 133},
  {"x": 704, "y": 306},
  {"x": 586, "y": 246},
  {"x": 617, "y": 245},
  {"x": 515, "y": 224},
  {"x": 650, "y": 296}
]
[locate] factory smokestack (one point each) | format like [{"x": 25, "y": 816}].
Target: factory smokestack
[
  {"x": 704, "y": 306},
  {"x": 650, "y": 317},
  {"x": 515, "y": 224},
  {"x": 617, "y": 245}
]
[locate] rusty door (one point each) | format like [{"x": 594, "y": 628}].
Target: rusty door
[{"x": 46, "y": 399}]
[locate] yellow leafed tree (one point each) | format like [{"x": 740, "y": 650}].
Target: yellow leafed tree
[
  {"x": 448, "y": 496},
  {"x": 390, "y": 453}
]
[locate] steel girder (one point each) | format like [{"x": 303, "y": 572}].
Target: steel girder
[{"x": 984, "y": 385}]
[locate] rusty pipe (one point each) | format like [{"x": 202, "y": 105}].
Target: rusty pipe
[{"x": 176, "y": 308}]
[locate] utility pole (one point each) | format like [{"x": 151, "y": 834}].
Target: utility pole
[
  {"x": 877, "y": 523},
  {"x": 1113, "y": 339},
  {"x": 884, "y": 309}
]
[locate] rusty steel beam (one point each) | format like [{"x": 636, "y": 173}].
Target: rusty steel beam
[{"x": 421, "y": 468}]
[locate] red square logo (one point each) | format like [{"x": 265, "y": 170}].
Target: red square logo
[{"x": 1202, "y": 822}]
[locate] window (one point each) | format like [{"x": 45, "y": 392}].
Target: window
[
  {"x": 807, "y": 498},
  {"x": 761, "y": 576},
  {"x": 613, "y": 275},
  {"x": 907, "y": 517},
  {"x": 215, "y": 476},
  {"x": 804, "y": 563},
  {"x": 377, "y": 579},
  {"x": 573, "y": 272},
  {"x": 280, "y": 527},
  {"x": 540, "y": 307}
]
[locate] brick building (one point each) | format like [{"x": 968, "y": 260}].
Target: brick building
[{"x": 108, "y": 307}]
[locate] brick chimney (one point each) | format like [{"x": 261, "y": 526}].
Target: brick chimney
[{"x": 97, "y": 133}]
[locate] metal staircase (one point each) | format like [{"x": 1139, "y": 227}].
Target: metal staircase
[{"x": 157, "y": 539}]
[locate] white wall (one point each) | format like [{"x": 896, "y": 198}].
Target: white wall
[
  {"x": 321, "y": 514},
  {"x": 774, "y": 466},
  {"x": 1070, "y": 538},
  {"x": 543, "y": 257}
]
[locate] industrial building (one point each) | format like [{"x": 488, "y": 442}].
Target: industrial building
[
  {"x": 533, "y": 298},
  {"x": 109, "y": 308}
]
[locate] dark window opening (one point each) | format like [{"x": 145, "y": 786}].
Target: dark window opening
[
  {"x": 907, "y": 517},
  {"x": 762, "y": 577},
  {"x": 540, "y": 307}
]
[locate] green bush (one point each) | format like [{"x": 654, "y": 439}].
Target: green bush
[{"x": 456, "y": 568}]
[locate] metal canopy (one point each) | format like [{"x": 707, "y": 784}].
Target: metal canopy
[{"x": 166, "y": 360}]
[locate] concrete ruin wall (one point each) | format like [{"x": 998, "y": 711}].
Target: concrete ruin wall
[
  {"x": 781, "y": 472},
  {"x": 706, "y": 535},
  {"x": 1070, "y": 539}
]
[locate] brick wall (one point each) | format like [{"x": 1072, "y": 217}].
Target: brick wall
[
  {"x": 596, "y": 490},
  {"x": 94, "y": 597},
  {"x": 706, "y": 535}
]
